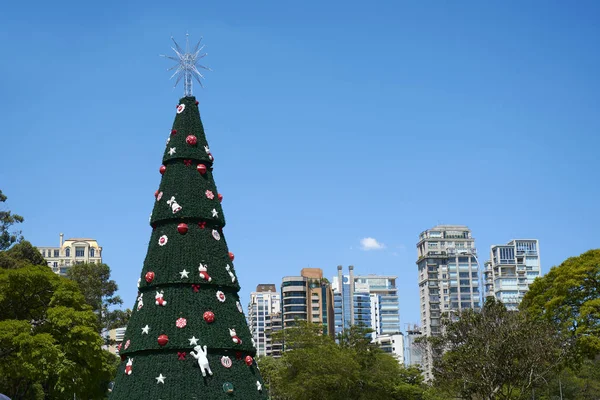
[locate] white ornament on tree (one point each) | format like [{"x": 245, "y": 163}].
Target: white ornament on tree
[
  {"x": 145, "y": 329},
  {"x": 160, "y": 301},
  {"x": 193, "y": 341},
  {"x": 234, "y": 336},
  {"x": 258, "y": 386},
  {"x": 140, "y": 300},
  {"x": 228, "y": 268},
  {"x": 160, "y": 379},
  {"x": 203, "y": 272},
  {"x": 172, "y": 151},
  {"x": 174, "y": 205},
  {"x": 184, "y": 274},
  {"x": 129, "y": 366},
  {"x": 200, "y": 355},
  {"x": 214, "y": 212}
]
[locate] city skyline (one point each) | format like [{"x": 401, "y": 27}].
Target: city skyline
[{"x": 492, "y": 92}]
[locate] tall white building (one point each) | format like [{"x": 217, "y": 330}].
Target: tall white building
[
  {"x": 264, "y": 318},
  {"x": 448, "y": 277},
  {"x": 512, "y": 267},
  {"x": 71, "y": 252}
]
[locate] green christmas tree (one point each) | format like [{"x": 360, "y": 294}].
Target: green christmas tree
[{"x": 187, "y": 337}]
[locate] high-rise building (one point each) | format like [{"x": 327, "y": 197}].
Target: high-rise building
[
  {"x": 370, "y": 300},
  {"x": 71, "y": 252},
  {"x": 307, "y": 297},
  {"x": 413, "y": 350},
  {"x": 264, "y": 318},
  {"x": 392, "y": 344},
  {"x": 511, "y": 269},
  {"x": 448, "y": 277}
]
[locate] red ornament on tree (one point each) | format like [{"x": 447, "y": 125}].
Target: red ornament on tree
[
  {"x": 191, "y": 140},
  {"x": 182, "y": 228},
  {"x": 210, "y": 157},
  {"x": 220, "y": 197},
  {"x": 231, "y": 256},
  {"x": 249, "y": 360},
  {"x": 181, "y": 355},
  {"x": 209, "y": 317},
  {"x": 163, "y": 340},
  {"x": 173, "y": 131},
  {"x": 149, "y": 276},
  {"x": 201, "y": 168},
  {"x": 162, "y": 169},
  {"x": 197, "y": 102},
  {"x": 156, "y": 194},
  {"x": 202, "y": 224}
]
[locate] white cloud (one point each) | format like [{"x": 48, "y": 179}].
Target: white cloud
[{"x": 369, "y": 243}]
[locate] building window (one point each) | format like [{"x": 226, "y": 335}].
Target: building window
[
  {"x": 55, "y": 265},
  {"x": 92, "y": 251},
  {"x": 79, "y": 251},
  {"x": 68, "y": 252},
  {"x": 56, "y": 254}
]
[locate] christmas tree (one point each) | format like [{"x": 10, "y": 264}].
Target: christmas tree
[{"x": 187, "y": 337}]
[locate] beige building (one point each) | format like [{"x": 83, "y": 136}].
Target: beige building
[
  {"x": 71, "y": 252},
  {"x": 308, "y": 297}
]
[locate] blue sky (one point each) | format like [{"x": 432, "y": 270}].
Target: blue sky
[{"x": 330, "y": 122}]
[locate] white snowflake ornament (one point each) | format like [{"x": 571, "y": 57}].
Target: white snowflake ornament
[
  {"x": 220, "y": 296},
  {"x": 163, "y": 240}
]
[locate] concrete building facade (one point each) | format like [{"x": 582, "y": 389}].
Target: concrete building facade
[
  {"x": 70, "y": 252},
  {"x": 307, "y": 297},
  {"x": 448, "y": 275},
  {"x": 264, "y": 318},
  {"x": 512, "y": 267}
]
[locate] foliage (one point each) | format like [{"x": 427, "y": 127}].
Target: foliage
[
  {"x": 99, "y": 292},
  {"x": 581, "y": 382},
  {"x": 21, "y": 254},
  {"x": 495, "y": 354},
  {"x": 49, "y": 344},
  {"x": 314, "y": 366},
  {"x": 569, "y": 296},
  {"x": 7, "y": 219}
]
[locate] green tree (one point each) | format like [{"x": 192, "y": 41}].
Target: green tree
[
  {"x": 495, "y": 354},
  {"x": 581, "y": 382},
  {"x": 20, "y": 255},
  {"x": 569, "y": 296},
  {"x": 49, "y": 344},
  {"x": 314, "y": 366},
  {"x": 188, "y": 316},
  {"x": 7, "y": 219},
  {"x": 99, "y": 292}
]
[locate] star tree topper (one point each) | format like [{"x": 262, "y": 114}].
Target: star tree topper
[{"x": 187, "y": 65}]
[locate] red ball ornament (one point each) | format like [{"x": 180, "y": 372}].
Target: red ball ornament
[
  {"x": 182, "y": 228},
  {"x": 231, "y": 256},
  {"x": 209, "y": 317},
  {"x": 149, "y": 276},
  {"x": 191, "y": 140},
  {"x": 249, "y": 360},
  {"x": 201, "y": 168},
  {"x": 163, "y": 340},
  {"x": 156, "y": 194},
  {"x": 220, "y": 198},
  {"x": 162, "y": 169},
  {"x": 197, "y": 102},
  {"x": 173, "y": 131}
]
